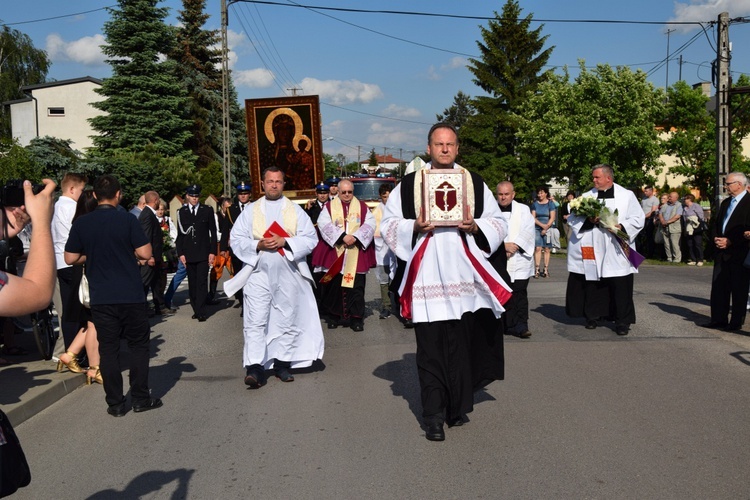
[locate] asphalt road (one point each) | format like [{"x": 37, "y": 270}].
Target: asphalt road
[{"x": 661, "y": 413}]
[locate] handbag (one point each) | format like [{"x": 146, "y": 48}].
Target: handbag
[
  {"x": 702, "y": 227},
  {"x": 83, "y": 291},
  {"x": 659, "y": 236},
  {"x": 14, "y": 469}
]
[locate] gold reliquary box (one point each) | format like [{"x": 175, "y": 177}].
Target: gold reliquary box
[{"x": 444, "y": 197}]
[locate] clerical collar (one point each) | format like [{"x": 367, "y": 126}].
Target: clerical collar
[
  {"x": 509, "y": 208},
  {"x": 605, "y": 194}
]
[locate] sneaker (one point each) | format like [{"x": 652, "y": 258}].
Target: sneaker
[
  {"x": 385, "y": 313},
  {"x": 700, "y": 264},
  {"x": 691, "y": 263}
]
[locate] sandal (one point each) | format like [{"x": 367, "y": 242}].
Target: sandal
[
  {"x": 536, "y": 274},
  {"x": 15, "y": 351}
]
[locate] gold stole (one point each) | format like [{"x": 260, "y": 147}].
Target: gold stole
[
  {"x": 288, "y": 218},
  {"x": 350, "y": 225},
  {"x": 469, "y": 191}
]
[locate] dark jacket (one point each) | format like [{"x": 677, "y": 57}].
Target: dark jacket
[
  {"x": 152, "y": 229},
  {"x": 196, "y": 234},
  {"x": 738, "y": 223}
]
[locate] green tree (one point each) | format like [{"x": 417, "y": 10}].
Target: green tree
[
  {"x": 690, "y": 136},
  {"x": 16, "y": 163},
  {"x": 20, "y": 64},
  {"x": 141, "y": 171},
  {"x": 54, "y": 156},
  {"x": 373, "y": 159},
  {"x": 459, "y": 112},
  {"x": 198, "y": 68},
  {"x": 604, "y": 116},
  {"x": 144, "y": 102},
  {"x": 510, "y": 69}
]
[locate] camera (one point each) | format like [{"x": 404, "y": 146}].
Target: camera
[{"x": 12, "y": 194}]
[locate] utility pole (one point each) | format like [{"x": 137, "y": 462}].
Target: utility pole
[
  {"x": 226, "y": 161},
  {"x": 723, "y": 86},
  {"x": 294, "y": 90},
  {"x": 680, "y": 79},
  {"x": 666, "y": 86}
]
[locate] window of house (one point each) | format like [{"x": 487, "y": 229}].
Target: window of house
[{"x": 55, "y": 111}]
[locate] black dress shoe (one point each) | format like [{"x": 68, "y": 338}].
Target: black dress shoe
[
  {"x": 149, "y": 404},
  {"x": 117, "y": 410},
  {"x": 201, "y": 317},
  {"x": 525, "y": 334},
  {"x": 714, "y": 325},
  {"x": 435, "y": 432},
  {"x": 254, "y": 378},
  {"x": 733, "y": 328},
  {"x": 622, "y": 329},
  {"x": 591, "y": 325},
  {"x": 385, "y": 313},
  {"x": 284, "y": 375},
  {"x": 455, "y": 422},
  {"x": 332, "y": 324},
  {"x": 358, "y": 326}
]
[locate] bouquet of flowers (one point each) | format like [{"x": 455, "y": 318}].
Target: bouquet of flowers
[{"x": 592, "y": 208}]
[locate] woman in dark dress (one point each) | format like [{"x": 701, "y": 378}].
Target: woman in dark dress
[{"x": 74, "y": 311}]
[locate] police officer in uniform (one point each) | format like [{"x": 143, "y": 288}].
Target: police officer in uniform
[
  {"x": 315, "y": 206},
  {"x": 196, "y": 242},
  {"x": 234, "y": 211},
  {"x": 333, "y": 186}
]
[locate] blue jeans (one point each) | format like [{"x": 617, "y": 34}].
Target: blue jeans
[{"x": 175, "y": 283}]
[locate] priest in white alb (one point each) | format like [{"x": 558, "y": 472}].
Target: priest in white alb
[
  {"x": 600, "y": 279},
  {"x": 519, "y": 247},
  {"x": 272, "y": 237},
  {"x": 448, "y": 287}
]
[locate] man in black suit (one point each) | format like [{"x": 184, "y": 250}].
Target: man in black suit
[
  {"x": 234, "y": 211},
  {"x": 731, "y": 279},
  {"x": 196, "y": 244},
  {"x": 313, "y": 209},
  {"x": 151, "y": 268}
]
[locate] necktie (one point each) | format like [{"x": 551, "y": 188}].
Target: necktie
[
  {"x": 732, "y": 204},
  {"x": 242, "y": 207},
  {"x": 195, "y": 209}
]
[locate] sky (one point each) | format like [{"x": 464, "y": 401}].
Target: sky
[{"x": 382, "y": 77}]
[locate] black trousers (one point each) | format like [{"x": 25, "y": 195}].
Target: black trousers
[
  {"x": 608, "y": 298},
  {"x": 729, "y": 284},
  {"x": 516, "y": 316},
  {"x": 68, "y": 328},
  {"x": 115, "y": 322},
  {"x": 236, "y": 267},
  {"x": 345, "y": 303},
  {"x": 197, "y": 275},
  {"x": 152, "y": 281},
  {"x": 456, "y": 358}
]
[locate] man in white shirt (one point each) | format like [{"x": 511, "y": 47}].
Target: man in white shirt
[{"x": 71, "y": 186}]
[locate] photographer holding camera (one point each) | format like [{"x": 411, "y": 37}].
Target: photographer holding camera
[{"x": 33, "y": 291}]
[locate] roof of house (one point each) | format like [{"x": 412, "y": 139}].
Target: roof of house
[
  {"x": 382, "y": 159},
  {"x": 58, "y": 83}
]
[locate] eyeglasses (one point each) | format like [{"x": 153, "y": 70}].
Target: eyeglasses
[
  {"x": 727, "y": 184},
  {"x": 346, "y": 192}
]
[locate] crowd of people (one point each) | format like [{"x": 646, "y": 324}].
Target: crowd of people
[{"x": 460, "y": 280}]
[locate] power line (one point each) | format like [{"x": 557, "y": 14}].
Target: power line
[
  {"x": 59, "y": 17},
  {"x": 457, "y": 16}
]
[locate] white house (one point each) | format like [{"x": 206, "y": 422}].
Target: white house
[{"x": 58, "y": 109}]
